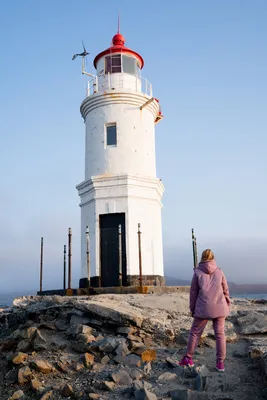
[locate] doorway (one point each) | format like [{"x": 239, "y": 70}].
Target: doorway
[{"x": 109, "y": 249}]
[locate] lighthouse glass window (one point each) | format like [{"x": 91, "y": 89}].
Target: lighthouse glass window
[
  {"x": 113, "y": 64},
  {"x": 111, "y": 135}
]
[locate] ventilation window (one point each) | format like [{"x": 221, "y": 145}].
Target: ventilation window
[
  {"x": 111, "y": 135},
  {"x": 113, "y": 64}
]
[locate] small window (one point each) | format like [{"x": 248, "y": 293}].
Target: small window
[
  {"x": 113, "y": 64},
  {"x": 111, "y": 135},
  {"x": 129, "y": 65}
]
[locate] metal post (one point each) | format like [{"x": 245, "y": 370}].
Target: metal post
[
  {"x": 41, "y": 264},
  {"x": 88, "y": 254},
  {"x": 69, "y": 259},
  {"x": 64, "y": 267},
  {"x": 139, "y": 233},
  {"x": 120, "y": 255},
  {"x": 194, "y": 245}
]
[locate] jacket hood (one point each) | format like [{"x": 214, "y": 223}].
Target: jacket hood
[{"x": 208, "y": 266}]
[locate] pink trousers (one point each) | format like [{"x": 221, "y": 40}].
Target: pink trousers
[{"x": 196, "y": 332}]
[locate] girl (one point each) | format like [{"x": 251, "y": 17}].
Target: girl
[{"x": 209, "y": 299}]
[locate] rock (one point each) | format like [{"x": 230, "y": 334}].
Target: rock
[
  {"x": 137, "y": 348},
  {"x": 110, "y": 386},
  {"x": 122, "y": 378},
  {"x": 80, "y": 347},
  {"x": 42, "y": 366},
  {"x": 62, "y": 325},
  {"x": 186, "y": 394},
  {"x": 23, "y": 346},
  {"x": 147, "y": 368},
  {"x": 24, "y": 375},
  {"x": 79, "y": 366},
  {"x": 122, "y": 349},
  {"x": 125, "y": 330},
  {"x": 252, "y": 323},
  {"x": 17, "y": 395},
  {"x": 171, "y": 362},
  {"x": 62, "y": 367},
  {"x": 94, "y": 396},
  {"x": 9, "y": 344},
  {"x": 48, "y": 325},
  {"x": 74, "y": 330},
  {"x": 105, "y": 360},
  {"x": 136, "y": 374},
  {"x": 39, "y": 342},
  {"x": 144, "y": 394},
  {"x": 36, "y": 385},
  {"x": 88, "y": 359},
  {"x": 19, "y": 358},
  {"x": 134, "y": 338},
  {"x": 202, "y": 371},
  {"x": 131, "y": 360},
  {"x": 108, "y": 345},
  {"x": 67, "y": 390},
  {"x": 85, "y": 338},
  {"x": 149, "y": 355},
  {"x": 47, "y": 395},
  {"x": 167, "y": 377},
  {"x": 201, "y": 383}
]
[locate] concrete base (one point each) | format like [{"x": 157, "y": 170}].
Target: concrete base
[
  {"x": 116, "y": 290},
  {"x": 132, "y": 280}
]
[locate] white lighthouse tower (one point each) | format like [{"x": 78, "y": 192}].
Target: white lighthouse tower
[{"x": 121, "y": 188}]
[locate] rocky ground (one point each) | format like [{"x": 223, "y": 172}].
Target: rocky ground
[{"x": 126, "y": 347}]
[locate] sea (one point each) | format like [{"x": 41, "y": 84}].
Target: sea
[{"x": 6, "y": 300}]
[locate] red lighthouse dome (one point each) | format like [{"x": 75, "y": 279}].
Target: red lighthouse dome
[{"x": 118, "y": 47}]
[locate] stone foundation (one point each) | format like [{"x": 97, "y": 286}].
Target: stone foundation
[{"x": 132, "y": 280}]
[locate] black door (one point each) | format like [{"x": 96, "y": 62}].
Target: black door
[{"x": 109, "y": 249}]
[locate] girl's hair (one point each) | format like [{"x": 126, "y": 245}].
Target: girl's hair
[{"x": 207, "y": 255}]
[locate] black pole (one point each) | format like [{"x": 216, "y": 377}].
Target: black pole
[
  {"x": 64, "y": 267},
  {"x": 120, "y": 255},
  {"x": 139, "y": 233},
  {"x": 69, "y": 259},
  {"x": 88, "y": 255},
  {"x": 194, "y": 245},
  {"x": 41, "y": 264}
]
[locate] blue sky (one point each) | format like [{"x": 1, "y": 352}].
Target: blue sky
[{"x": 207, "y": 62}]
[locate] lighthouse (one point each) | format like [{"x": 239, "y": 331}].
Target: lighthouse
[{"x": 120, "y": 194}]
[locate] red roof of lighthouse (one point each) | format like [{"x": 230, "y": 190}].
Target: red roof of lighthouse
[{"x": 118, "y": 47}]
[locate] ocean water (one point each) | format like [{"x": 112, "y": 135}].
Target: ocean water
[{"x": 249, "y": 296}]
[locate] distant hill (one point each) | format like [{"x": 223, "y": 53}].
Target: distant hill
[{"x": 260, "y": 288}]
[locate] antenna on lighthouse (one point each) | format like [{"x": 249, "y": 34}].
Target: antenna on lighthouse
[{"x": 118, "y": 22}]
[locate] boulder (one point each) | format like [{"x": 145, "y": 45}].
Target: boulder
[
  {"x": 149, "y": 355},
  {"x": 167, "y": 377},
  {"x": 67, "y": 390},
  {"x": 17, "y": 395},
  {"x": 252, "y": 322},
  {"x": 36, "y": 385},
  {"x": 24, "y": 375},
  {"x": 110, "y": 386},
  {"x": 122, "y": 377},
  {"x": 39, "y": 342},
  {"x": 19, "y": 358},
  {"x": 47, "y": 395},
  {"x": 23, "y": 345},
  {"x": 42, "y": 366},
  {"x": 108, "y": 345},
  {"x": 144, "y": 394}
]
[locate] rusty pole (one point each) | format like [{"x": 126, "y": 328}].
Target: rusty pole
[
  {"x": 139, "y": 233},
  {"x": 120, "y": 255},
  {"x": 88, "y": 254},
  {"x": 41, "y": 264},
  {"x": 69, "y": 259},
  {"x": 194, "y": 244},
  {"x": 64, "y": 267}
]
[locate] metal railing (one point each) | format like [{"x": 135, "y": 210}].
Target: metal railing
[{"x": 118, "y": 81}]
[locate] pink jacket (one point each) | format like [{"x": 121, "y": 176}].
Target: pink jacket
[{"x": 209, "y": 293}]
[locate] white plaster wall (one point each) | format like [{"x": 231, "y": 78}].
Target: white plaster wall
[
  {"x": 139, "y": 199},
  {"x": 135, "y": 150}
]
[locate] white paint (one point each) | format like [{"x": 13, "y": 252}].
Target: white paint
[{"x": 122, "y": 179}]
